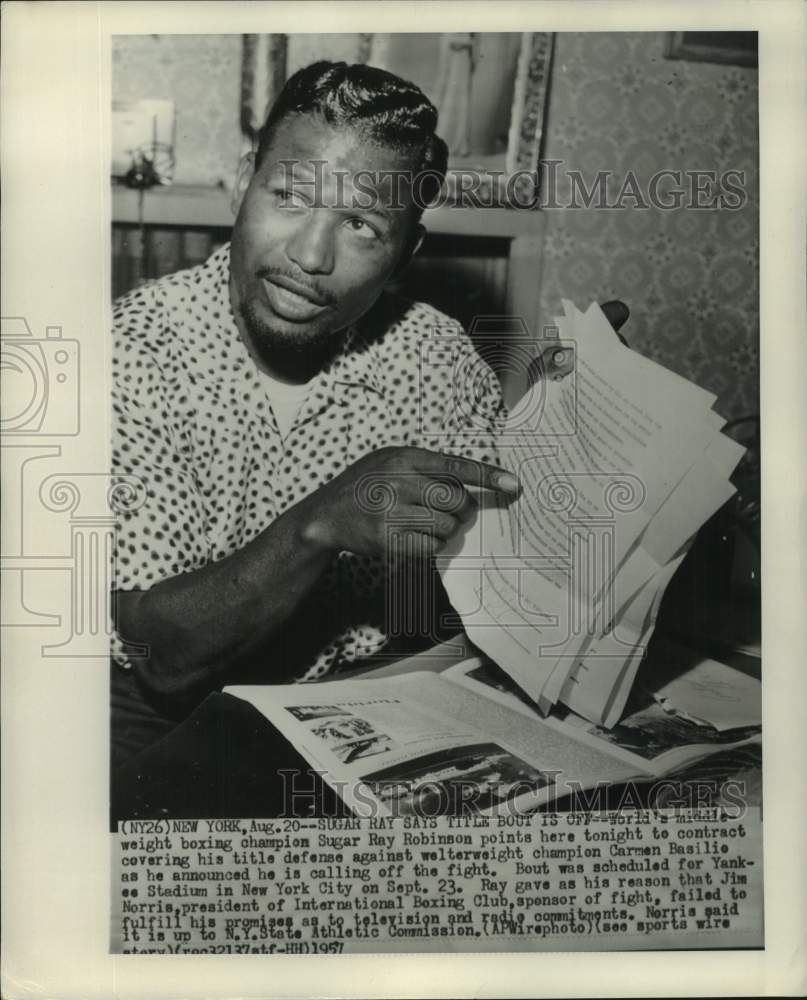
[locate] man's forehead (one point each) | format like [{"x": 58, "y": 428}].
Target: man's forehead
[{"x": 316, "y": 146}]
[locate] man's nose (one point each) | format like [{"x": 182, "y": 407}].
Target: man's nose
[{"x": 311, "y": 246}]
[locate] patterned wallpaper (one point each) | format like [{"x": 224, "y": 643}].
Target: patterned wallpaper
[
  {"x": 202, "y": 75},
  {"x": 689, "y": 277}
]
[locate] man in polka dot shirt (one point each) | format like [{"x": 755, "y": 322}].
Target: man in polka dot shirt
[{"x": 282, "y": 411}]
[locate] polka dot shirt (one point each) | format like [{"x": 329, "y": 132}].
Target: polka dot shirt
[{"x": 193, "y": 420}]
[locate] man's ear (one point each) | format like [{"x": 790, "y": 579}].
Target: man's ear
[
  {"x": 246, "y": 171},
  {"x": 412, "y": 246}
]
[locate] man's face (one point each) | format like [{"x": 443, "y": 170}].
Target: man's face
[{"x": 305, "y": 261}]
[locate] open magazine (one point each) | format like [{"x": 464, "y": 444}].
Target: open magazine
[{"x": 464, "y": 739}]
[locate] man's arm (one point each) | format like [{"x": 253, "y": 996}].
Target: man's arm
[{"x": 198, "y": 623}]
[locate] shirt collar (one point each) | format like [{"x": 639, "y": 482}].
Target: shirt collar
[
  {"x": 222, "y": 258},
  {"x": 356, "y": 364}
]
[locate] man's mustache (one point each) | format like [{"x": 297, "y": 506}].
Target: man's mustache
[{"x": 303, "y": 285}]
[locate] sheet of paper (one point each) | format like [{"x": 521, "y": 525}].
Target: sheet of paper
[
  {"x": 598, "y": 685},
  {"x": 705, "y": 689},
  {"x": 513, "y": 570},
  {"x": 650, "y": 566},
  {"x": 699, "y": 495},
  {"x": 619, "y": 466},
  {"x": 646, "y": 375}
]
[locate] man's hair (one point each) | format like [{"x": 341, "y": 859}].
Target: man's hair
[{"x": 387, "y": 109}]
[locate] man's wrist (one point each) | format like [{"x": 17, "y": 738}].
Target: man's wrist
[{"x": 315, "y": 531}]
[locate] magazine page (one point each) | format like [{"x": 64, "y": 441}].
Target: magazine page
[
  {"x": 572, "y": 764},
  {"x": 381, "y": 749}
]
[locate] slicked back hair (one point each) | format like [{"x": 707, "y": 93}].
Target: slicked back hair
[{"x": 387, "y": 109}]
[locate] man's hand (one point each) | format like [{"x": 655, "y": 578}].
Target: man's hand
[
  {"x": 617, "y": 313},
  {"x": 422, "y": 491}
]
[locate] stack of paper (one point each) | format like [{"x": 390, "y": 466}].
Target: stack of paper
[{"x": 621, "y": 463}]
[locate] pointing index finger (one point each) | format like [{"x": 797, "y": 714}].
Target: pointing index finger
[{"x": 470, "y": 472}]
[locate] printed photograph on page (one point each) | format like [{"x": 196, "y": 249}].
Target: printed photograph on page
[{"x": 434, "y": 500}]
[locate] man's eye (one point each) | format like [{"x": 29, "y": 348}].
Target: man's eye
[
  {"x": 289, "y": 199},
  {"x": 361, "y": 228}
]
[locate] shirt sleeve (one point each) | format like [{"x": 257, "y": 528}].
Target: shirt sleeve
[{"x": 166, "y": 534}]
